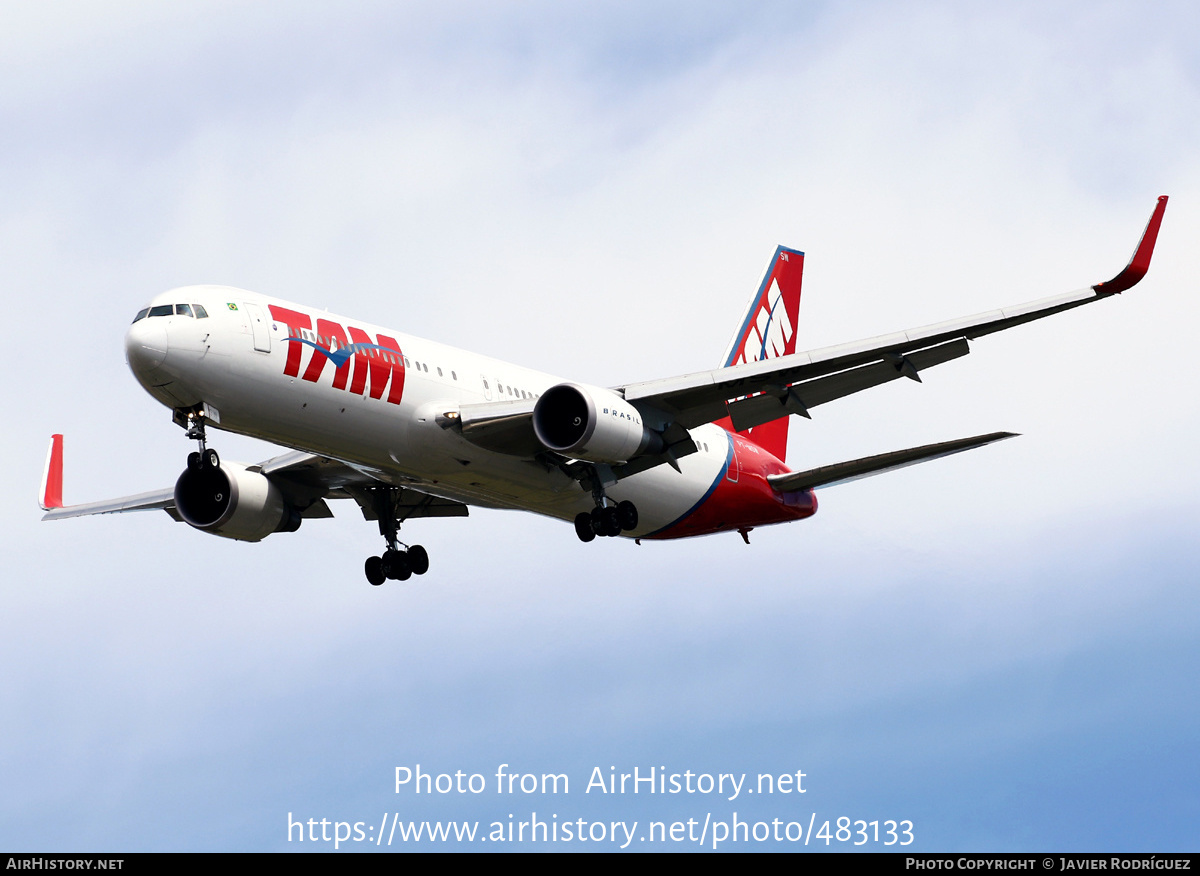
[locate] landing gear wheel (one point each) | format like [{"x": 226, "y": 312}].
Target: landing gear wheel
[
  {"x": 194, "y": 462},
  {"x": 211, "y": 460},
  {"x": 597, "y": 516},
  {"x": 583, "y": 526},
  {"x": 374, "y": 570},
  {"x": 418, "y": 559},
  {"x": 612, "y": 521},
  {"x": 627, "y": 511},
  {"x": 396, "y": 565}
]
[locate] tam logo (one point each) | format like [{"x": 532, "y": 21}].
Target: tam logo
[
  {"x": 376, "y": 362},
  {"x": 770, "y": 332}
]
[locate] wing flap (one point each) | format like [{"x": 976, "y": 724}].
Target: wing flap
[
  {"x": 799, "y": 397},
  {"x": 406, "y": 503},
  {"x": 504, "y": 427},
  {"x": 844, "y": 472}
]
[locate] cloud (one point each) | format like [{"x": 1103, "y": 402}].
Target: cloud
[{"x": 595, "y": 193}]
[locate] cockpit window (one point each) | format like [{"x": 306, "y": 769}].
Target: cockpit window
[{"x": 171, "y": 309}]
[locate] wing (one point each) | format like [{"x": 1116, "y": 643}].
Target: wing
[
  {"x": 304, "y": 479},
  {"x": 754, "y": 393},
  {"x": 758, "y": 392}
]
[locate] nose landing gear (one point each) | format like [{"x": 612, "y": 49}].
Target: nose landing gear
[
  {"x": 204, "y": 459},
  {"x": 192, "y": 422}
]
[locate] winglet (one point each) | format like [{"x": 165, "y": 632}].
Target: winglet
[
  {"x": 1140, "y": 263},
  {"x": 52, "y": 477}
]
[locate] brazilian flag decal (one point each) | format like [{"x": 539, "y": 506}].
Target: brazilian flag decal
[{"x": 231, "y": 305}]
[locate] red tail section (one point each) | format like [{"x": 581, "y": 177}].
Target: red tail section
[{"x": 767, "y": 331}]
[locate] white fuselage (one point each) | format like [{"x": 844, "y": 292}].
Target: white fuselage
[{"x": 239, "y": 361}]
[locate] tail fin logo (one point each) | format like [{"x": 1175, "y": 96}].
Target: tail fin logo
[
  {"x": 767, "y": 331},
  {"x": 771, "y": 332},
  {"x": 768, "y": 327}
]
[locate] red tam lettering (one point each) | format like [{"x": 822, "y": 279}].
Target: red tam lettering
[
  {"x": 295, "y": 322},
  {"x": 327, "y": 332},
  {"x": 380, "y": 366}
]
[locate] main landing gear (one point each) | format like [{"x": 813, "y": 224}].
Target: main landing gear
[
  {"x": 397, "y": 564},
  {"x": 400, "y": 561},
  {"x": 608, "y": 517},
  {"x": 610, "y": 520}
]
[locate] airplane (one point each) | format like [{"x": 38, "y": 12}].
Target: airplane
[{"x": 409, "y": 428}]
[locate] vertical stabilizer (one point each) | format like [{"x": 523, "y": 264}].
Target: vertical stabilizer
[{"x": 768, "y": 330}]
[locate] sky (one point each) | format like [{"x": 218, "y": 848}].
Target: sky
[{"x": 999, "y": 648}]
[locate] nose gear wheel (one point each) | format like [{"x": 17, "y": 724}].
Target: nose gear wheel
[{"x": 192, "y": 422}]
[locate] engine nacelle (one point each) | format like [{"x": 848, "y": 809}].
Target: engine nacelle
[
  {"x": 586, "y": 422},
  {"x": 234, "y": 503}
]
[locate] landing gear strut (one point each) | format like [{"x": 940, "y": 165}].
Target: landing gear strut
[
  {"x": 400, "y": 561},
  {"x": 193, "y": 424}
]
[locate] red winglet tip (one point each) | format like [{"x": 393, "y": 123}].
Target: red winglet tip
[
  {"x": 52, "y": 478},
  {"x": 1140, "y": 263}
]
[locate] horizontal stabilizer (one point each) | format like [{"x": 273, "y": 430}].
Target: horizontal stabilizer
[{"x": 843, "y": 472}]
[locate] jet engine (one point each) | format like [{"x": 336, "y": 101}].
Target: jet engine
[
  {"x": 586, "y": 422},
  {"x": 232, "y": 502}
]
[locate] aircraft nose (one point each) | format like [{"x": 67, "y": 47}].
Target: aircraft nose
[{"x": 146, "y": 345}]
